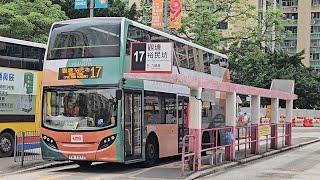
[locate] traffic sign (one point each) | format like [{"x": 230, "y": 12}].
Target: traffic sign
[
  {"x": 80, "y": 4},
  {"x": 101, "y": 4},
  {"x": 151, "y": 57}
]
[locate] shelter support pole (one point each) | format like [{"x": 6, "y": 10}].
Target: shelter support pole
[
  {"x": 231, "y": 107},
  {"x": 255, "y": 119},
  {"x": 195, "y": 124},
  {"x": 274, "y": 121},
  {"x": 289, "y": 107}
]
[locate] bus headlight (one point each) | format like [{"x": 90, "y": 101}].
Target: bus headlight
[
  {"x": 49, "y": 141},
  {"x": 106, "y": 142}
]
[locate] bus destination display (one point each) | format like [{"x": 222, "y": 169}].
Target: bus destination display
[{"x": 87, "y": 72}]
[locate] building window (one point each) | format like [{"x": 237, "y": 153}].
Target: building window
[
  {"x": 315, "y": 42},
  {"x": 289, "y": 2},
  {"x": 291, "y": 29},
  {"x": 315, "y": 29},
  {"x": 315, "y": 2},
  {"x": 315, "y": 15},
  {"x": 292, "y": 16},
  {"x": 290, "y": 43},
  {"x": 314, "y": 56},
  {"x": 317, "y": 70}
]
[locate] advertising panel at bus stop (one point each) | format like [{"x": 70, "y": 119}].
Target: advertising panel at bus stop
[{"x": 151, "y": 57}]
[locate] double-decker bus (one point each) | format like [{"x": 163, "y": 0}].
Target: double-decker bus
[
  {"x": 21, "y": 65},
  {"x": 92, "y": 113}
]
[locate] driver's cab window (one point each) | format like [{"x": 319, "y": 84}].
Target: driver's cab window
[{"x": 81, "y": 109}]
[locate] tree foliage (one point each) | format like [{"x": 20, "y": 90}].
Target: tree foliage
[
  {"x": 251, "y": 66},
  {"x": 28, "y": 20},
  {"x": 203, "y": 22},
  {"x": 117, "y": 8},
  {"x": 252, "y": 59},
  {"x": 31, "y": 20},
  {"x": 204, "y": 19}
]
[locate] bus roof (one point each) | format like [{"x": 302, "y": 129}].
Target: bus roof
[
  {"x": 176, "y": 38},
  {"x": 21, "y": 42},
  {"x": 72, "y": 21}
]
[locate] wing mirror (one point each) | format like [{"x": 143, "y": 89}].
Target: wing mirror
[{"x": 119, "y": 94}]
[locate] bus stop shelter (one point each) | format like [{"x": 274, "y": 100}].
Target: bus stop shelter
[{"x": 205, "y": 81}]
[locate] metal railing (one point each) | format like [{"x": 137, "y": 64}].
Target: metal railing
[
  {"x": 187, "y": 154},
  {"x": 247, "y": 135},
  {"x": 244, "y": 137},
  {"x": 284, "y": 135},
  {"x": 213, "y": 146},
  {"x": 27, "y": 146},
  {"x": 247, "y": 138}
]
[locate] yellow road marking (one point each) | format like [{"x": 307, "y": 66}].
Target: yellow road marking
[{"x": 54, "y": 177}]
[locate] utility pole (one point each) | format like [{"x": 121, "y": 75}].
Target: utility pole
[{"x": 91, "y": 8}]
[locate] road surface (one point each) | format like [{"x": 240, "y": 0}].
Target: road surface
[
  {"x": 167, "y": 169},
  {"x": 301, "y": 163}
]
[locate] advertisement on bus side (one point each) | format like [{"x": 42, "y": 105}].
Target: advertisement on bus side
[{"x": 17, "y": 91}]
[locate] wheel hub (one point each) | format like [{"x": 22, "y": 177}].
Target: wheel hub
[
  {"x": 5, "y": 144},
  {"x": 151, "y": 150}
]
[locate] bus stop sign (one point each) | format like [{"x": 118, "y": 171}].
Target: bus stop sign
[{"x": 151, "y": 57}]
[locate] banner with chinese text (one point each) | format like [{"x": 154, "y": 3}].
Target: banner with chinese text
[
  {"x": 175, "y": 14},
  {"x": 101, "y": 4},
  {"x": 157, "y": 14}
]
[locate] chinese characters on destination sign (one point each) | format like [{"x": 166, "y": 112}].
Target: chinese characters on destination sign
[
  {"x": 151, "y": 57},
  {"x": 88, "y": 72}
]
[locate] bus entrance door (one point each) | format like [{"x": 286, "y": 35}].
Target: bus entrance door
[
  {"x": 183, "y": 128},
  {"x": 132, "y": 125}
]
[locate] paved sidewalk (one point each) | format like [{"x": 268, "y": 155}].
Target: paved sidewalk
[
  {"x": 7, "y": 165},
  {"x": 301, "y": 136}
]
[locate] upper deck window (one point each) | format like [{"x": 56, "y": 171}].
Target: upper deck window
[
  {"x": 21, "y": 56},
  {"x": 84, "y": 40}
]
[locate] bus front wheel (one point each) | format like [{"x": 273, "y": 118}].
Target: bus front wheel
[
  {"x": 152, "y": 152},
  {"x": 6, "y": 144}
]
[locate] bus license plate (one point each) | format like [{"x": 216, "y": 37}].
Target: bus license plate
[{"x": 77, "y": 157}]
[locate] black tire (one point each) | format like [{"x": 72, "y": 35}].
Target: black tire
[
  {"x": 84, "y": 164},
  {"x": 6, "y": 144},
  {"x": 151, "y": 152}
]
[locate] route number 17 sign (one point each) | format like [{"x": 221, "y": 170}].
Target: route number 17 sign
[{"x": 151, "y": 57}]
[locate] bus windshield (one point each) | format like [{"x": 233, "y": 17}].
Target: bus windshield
[
  {"x": 80, "y": 109},
  {"x": 85, "y": 40}
]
